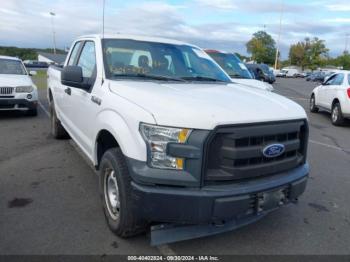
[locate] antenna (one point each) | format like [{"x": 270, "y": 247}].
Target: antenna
[{"x": 103, "y": 19}]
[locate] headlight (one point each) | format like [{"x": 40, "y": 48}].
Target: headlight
[
  {"x": 24, "y": 89},
  {"x": 157, "y": 139}
]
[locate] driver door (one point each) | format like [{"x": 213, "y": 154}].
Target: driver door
[
  {"x": 322, "y": 93},
  {"x": 83, "y": 110}
]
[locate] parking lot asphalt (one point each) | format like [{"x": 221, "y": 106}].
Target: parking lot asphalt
[{"x": 49, "y": 201}]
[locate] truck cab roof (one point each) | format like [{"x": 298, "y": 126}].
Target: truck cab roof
[
  {"x": 9, "y": 58},
  {"x": 137, "y": 38}
]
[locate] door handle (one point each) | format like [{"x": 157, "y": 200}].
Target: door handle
[
  {"x": 96, "y": 100},
  {"x": 68, "y": 91}
]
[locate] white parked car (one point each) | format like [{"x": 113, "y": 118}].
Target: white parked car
[
  {"x": 17, "y": 90},
  {"x": 237, "y": 70},
  {"x": 174, "y": 140},
  {"x": 282, "y": 73},
  {"x": 333, "y": 96}
]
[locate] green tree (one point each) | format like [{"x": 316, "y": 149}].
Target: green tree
[
  {"x": 25, "y": 53},
  {"x": 310, "y": 53},
  {"x": 341, "y": 61},
  {"x": 262, "y": 47}
]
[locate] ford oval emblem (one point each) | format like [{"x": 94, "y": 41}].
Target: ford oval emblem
[{"x": 273, "y": 150}]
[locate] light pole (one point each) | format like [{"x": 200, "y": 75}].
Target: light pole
[
  {"x": 279, "y": 35},
  {"x": 346, "y": 42},
  {"x": 52, "y": 14}
]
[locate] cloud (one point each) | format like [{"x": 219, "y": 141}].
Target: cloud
[
  {"x": 218, "y": 4},
  {"x": 340, "y": 7},
  {"x": 223, "y": 24},
  {"x": 268, "y": 6},
  {"x": 338, "y": 20}
]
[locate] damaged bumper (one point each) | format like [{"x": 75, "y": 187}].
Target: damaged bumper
[{"x": 195, "y": 212}]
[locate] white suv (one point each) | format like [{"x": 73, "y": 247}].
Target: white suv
[
  {"x": 17, "y": 91},
  {"x": 333, "y": 96}
]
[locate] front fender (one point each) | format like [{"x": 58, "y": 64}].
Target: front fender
[{"x": 125, "y": 132}]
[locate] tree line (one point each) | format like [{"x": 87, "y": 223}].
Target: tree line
[
  {"x": 311, "y": 53},
  {"x": 26, "y": 53}
]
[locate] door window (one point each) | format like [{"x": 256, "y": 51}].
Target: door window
[
  {"x": 74, "y": 54},
  {"x": 87, "y": 60},
  {"x": 330, "y": 80},
  {"x": 338, "y": 80}
]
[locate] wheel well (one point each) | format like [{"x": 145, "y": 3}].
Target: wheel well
[
  {"x": 105, "y": 140},
  {"x": 50, "y": 95},
  {"x": 335, "y": 101}
]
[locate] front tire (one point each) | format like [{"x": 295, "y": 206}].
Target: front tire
[
  {"x": 337, "y": 115},
  {"x": 57, "y": 130},
  {"x": 313, "y": 107},
  {"x": 119, "y": 202}
]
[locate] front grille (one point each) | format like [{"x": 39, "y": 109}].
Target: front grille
[
  {"x": 6, "y": 106},
  {"x": 235, "y": 152},
  {"x": 6, "y": 90}
]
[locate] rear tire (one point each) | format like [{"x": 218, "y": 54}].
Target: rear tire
[
  {"x": 118, "y": 200},
  {"x": 313, "y": 107},
  {"x": 337, "y": 115},
  {"x": 57, "y": 130}
]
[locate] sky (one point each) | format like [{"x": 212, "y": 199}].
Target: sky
[{"x": 217, "y": 24}]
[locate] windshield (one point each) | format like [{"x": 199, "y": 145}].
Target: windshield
[
  {"x": 11, "y": 67},
  {"x": 158, "y": 61},
  {"x": 232, "y": 65},
  {"x": 265, "y": 68}
]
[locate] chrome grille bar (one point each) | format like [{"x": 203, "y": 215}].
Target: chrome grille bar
[{"x": 4, "y": 90}]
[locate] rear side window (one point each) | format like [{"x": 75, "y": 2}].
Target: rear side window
[
  {"x": 74, "y": 54},
  {"x": 87, "y": 59},
  {"x": 331, "y": 80},
  {"x": 338, "y": 80},
  {"x": 349, "y": 79}
]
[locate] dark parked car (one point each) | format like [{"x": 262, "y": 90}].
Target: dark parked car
[
  {"x": 318, "y": 76},
  {"x": 35, "y": 64},
  {"x": 262, "y": 72}
]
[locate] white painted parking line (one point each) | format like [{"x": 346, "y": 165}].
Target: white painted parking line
[
  {"x": 329, "y": 146},
  {"x": 43, "y": 108},
  {"x": 298, "y": 98}
]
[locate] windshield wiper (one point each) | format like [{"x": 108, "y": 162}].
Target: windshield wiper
[
  {"x": 236, "y": 76},
  {"x": 201, "y": 78},
  {"x": 154, "y": 77}
]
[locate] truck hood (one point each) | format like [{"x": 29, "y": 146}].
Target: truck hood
[
  {"x": 15, "y": 80},
  {"x": 254, "y": 83},
  {"x": 205, "y": 106}
]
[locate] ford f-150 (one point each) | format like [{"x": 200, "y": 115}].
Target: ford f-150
[{"x": 176, "y": 143}]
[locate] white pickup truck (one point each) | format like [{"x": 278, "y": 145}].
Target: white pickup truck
[{"x": 176, "y": 143}]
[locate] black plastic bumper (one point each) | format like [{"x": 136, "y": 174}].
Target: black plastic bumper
[
  {"x": 17, "y": 104},
  {"x": 220, "y": 203}
]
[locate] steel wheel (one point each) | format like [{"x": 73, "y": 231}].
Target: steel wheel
[
  {"x": 313, "y": 107},
  {"x": 111, "y": 192},
  {"x": 335, "y": 114},
  {"x": 312, "y": 103}
]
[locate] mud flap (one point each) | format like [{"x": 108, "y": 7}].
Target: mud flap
[{"x": 170, "y": 233}]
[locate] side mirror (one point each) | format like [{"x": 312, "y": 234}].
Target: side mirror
[
  {"x": 32, "y": 73},
  {"x": 73, "y": 76}
]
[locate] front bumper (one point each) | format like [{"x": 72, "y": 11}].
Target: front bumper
[
  {"x": 17, "y": 104},
  {"x": 219, "y": 203}
]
